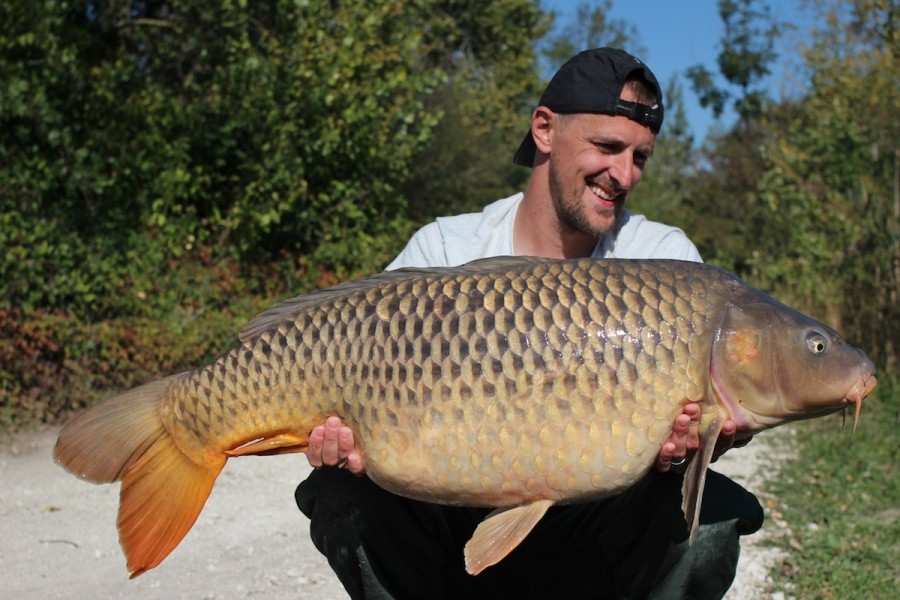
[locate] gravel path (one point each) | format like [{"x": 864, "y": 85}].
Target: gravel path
[
  {"x": 751, "y": 466},
  {"x": 58, "y": 537}
]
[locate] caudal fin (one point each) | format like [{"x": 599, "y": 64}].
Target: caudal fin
[{"x": 163, "y": 489}]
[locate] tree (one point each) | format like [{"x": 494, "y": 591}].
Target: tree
[
  {"x": 484, "y": 106},
  {"x": 830, "y": 193},
  {"x": 167, "y": 166},
  {"x": 590, "y": 28},
  {"x": 747, "y": 50},
  {"x": 273, "y": 127}
]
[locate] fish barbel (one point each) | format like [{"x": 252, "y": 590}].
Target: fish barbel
[{"x": 515, "y": 383}]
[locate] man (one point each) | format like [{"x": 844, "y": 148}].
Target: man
[{"x": 590, "y": 138}]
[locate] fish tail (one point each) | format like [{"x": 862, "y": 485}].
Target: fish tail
[{"x": 163, "y": 489}]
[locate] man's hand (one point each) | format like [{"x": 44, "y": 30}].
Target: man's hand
[
  {"x": 685, "y": 440},
  {"x": 332, "y": 445},
  {"x": 730, "y": 438}
]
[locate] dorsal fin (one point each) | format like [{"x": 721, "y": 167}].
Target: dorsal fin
[{"x": 284, "y": 311}]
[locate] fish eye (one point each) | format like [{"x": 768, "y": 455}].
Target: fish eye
[{"x": 816, "y": 342}]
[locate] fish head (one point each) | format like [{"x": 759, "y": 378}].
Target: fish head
[{"x": 771, "y": 364}]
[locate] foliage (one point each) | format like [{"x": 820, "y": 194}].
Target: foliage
[
  {"x": 125, "y": 137},
  {"x": 148, "y": 142},
  {"x": 801, "y": 198},
  {"x": 839, "y": 497},
  {"x": 744, "y": 58},
  {"x": 591, "y": 28},
  {"x": 485, "y": 105},
  {"x": 53, "y": 362},
  {"x": 168, "y": 167},
  {"x": 829, "y": 193}
]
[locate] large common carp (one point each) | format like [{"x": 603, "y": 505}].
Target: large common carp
[{"x": 507, "y": 382}]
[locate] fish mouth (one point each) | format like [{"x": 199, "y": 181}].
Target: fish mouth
[{"x": 862, "y": 388}]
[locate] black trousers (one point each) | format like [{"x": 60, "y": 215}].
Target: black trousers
[{"x": 633, "y": 545}]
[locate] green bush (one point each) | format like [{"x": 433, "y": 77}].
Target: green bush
[{"x": 54, "y": 363}]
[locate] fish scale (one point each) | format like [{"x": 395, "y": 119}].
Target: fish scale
[
  {"x": 415, "y": 366},
  {"x": 509, "y": 382}
]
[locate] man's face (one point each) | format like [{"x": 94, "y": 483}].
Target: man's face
[{"x": 594, "y": 163}]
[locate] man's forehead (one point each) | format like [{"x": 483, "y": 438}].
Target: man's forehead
[{"x": 610, "y": 128}]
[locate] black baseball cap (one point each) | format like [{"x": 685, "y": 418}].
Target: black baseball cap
[{"x": 592, "y": 82}]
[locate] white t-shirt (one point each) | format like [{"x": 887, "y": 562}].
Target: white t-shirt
[{"x": 452, "y": 241}]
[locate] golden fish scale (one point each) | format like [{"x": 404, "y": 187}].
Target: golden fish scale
[{"x": 560, "y": 380}]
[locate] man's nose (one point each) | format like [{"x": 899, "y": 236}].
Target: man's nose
[{"x": 622, "y": 170}]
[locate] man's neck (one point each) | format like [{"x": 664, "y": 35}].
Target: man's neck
[{"x": 537, "y": 231}]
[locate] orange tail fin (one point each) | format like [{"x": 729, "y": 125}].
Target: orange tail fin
[{"x": 163, "y": 489}]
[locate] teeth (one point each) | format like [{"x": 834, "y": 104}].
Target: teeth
[{"x": 601, "y": 193}]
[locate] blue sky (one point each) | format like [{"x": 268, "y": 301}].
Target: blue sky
[{"x": 678, "y": 34}]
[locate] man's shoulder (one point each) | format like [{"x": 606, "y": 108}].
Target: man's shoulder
[
  {"x": 637, "y": 225},
  {"x": 470, "y": 223},
  {"x": 639, "y": 237},
  {"x": 459, "y": 238}
]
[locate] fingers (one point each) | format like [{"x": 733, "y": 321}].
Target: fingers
[
  {"x": 354, "y": 464},
  {"x": 693, "y": 411},
  {"x": 730, "y": 438},
  {"x": 314, "y": 451},
  {"x": 676, "y": 448},
  {"x": 664, "y": 459},
  {"x": 725, "y": 440},
  {"x": 685, "y": 440},
  {"x": 726, "y": 436},
  {"x": 332, "y": 445}
]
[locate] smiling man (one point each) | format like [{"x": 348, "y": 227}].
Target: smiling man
[{"x": 590, "y": 138}]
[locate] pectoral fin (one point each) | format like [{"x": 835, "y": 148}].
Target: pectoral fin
[
  {"x": 695, "y": 476},
  {"x": 500, "y": 533}
]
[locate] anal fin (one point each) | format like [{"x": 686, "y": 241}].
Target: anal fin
[
  {"x": 283, "y": 443},
  {"x": 500, "y": 533}
]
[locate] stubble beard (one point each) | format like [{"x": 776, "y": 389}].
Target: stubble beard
[{"x": 572, "y": 213}]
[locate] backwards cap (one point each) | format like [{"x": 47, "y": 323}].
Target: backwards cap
[{"x": 592, "y": 82}]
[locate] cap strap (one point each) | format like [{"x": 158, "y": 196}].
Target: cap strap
[{"x": 643, "y": 114}]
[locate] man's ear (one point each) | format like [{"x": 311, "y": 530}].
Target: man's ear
[{"x": 543, "y": 120}]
